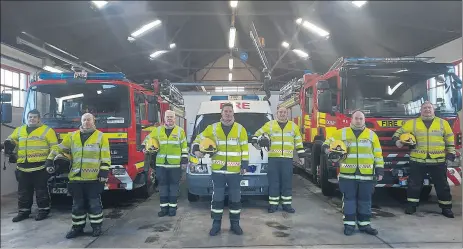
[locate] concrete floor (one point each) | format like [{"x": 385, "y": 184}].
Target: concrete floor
[{"x": 316, "y": 223}]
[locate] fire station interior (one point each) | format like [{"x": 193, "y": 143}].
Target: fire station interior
[{"x": 128, "y": 62}]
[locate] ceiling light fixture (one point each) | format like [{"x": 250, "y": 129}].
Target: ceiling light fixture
[
  {"x": 145, "y": 28},
  {"x": 285, "y": 44},
  {"x": 172, "y": 46},
  {"x": 230, "y": 63},
  {"x": 230, "y": 76},
  {"x": 299, "y": 21},
  {"x": 359, "y": 4},
  {"x": 100, "y": 4},
  {"x": 157, "y": 53},
  {"x": 233, "y": 4},
  {"x": 301, "y": 53},
  {"x": 52, "y": 69},
  {"x": 312, "y": 27},
  {"x": 231, "y": 40}
]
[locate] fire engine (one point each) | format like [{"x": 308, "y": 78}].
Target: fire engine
[
  {"x": 125, "y": 111},
  {"x": 389, "y": 91}
]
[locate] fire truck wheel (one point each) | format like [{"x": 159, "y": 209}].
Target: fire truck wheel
[
  {"x": 192, "y": 197},
  {"x": 328, "y": 189},
  {"x": 148, "y": 188}
]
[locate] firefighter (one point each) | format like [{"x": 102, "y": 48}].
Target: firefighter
[
  {"x": 229, "y": 163},
  {"x": 91, "y": 160},
  {"x": 173, "y": 152},
  {"x": 285, "y": 137},
  {"x": 434, "y": 144},
  {"x": 358, "y": 173},
  {"x": 33, "y": 143}
]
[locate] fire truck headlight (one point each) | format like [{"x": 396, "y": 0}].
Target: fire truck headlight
[
  {"x": 264, "y": 168},
  {"x": 118, "y": 172}
]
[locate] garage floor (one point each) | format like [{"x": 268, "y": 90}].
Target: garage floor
[{"x": 317, "y": 223}]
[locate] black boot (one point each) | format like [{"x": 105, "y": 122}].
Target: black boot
[
  {"x": 96, "y": 231},
  {"x": 272, "y": 208},
  {"x": 21, "y": 216},
  {"x": 74, "y": 232},
  {"x": 447, "y": 212},
  {"x": 164, "y": 211},
  {"x": 349, "y": 230},
  {"x": 216, "y": 227},
  {"x": 287, "y": 208},
  {"x": 172, "y": 211},
  {"x": 41, "y": 216},
  {"x": 368, "y": 230},
  {"x": 235, "y": 227},
  {"x": 410, "y": 210}
]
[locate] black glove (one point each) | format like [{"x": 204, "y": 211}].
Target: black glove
[
  {"x": 451, "y": 157},
  {"x": 195, "y": 148},
  {"x": 379, "y": 172},
  {"x": 184, "y": 160},
  {"x": 103, "y": 175},
  {"x": 244, "y": 165},
  {"x": 49, "y": 166}
]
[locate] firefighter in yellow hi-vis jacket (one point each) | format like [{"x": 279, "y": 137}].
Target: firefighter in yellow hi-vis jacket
[
  {"x": 173, "y": 152},
  {"x": 362, "y": 166},
  {"x": 89, "y": 170},
  {"x": 285, "y": 137},
  {"x": 33, "y": 143},
  {"x": 231, "y": 158},
  {"x": 434, "y": 144}
]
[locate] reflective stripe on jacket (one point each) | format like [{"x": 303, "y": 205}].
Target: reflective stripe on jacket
[
  {"x": 434, "y": 141},
  {"x": 172, "y": 148},
  {"x": 364, "y": 153},
  {"x": 283, "y": 142},
  {"x": 87, "y": 159},
  {"x": 231, "y": 149},
  {"x": 34, "y": 147}
]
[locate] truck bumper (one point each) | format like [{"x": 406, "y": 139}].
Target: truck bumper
[{"x": 250, "y": 185}]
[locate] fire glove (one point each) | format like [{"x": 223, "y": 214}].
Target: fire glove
[
  {"x": 49, "y": 166},
  {"x": 451, "y": 157},
  {"x": 184, "y": 160},
  {"x": 103, "y": 176}
]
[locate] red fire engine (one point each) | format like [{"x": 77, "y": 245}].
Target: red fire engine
[
  {"x": 389, "y": 91},
  {"x": 125, "y": 111}
]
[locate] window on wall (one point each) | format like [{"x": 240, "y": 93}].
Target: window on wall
[{"x": 15, "y": 83}]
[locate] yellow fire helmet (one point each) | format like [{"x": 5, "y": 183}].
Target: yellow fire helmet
[
  {"x": 408, "y": 138},
  {"x": 62, "y": 161},
  {"x": 338, "y": 151},
  {"x": 208, "y": 146},
  {"x": 152, "y": 145}
]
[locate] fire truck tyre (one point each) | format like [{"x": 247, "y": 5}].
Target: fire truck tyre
[
  {"x": 315, "y": 160},
  {"x": 328, "y": 189},
  {"x": 148, "y": 188},
  {"x": 192, "y": 197},
  {"x": 425, "y": 192}
]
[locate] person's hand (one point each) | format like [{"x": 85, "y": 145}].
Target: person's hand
[
  {"x": 301, "y": 160},
  {"x": 327, "y": 151},
  {"x": 451, "y": 157},
  {"x": 103, "y": 179},
  {"x": 399, "y": 144},
  {"x": 380, "y": 177},
  {"x": 243, "y": 171},
  {"x": 199, "y": 154}
]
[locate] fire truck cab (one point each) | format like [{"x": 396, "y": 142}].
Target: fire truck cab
[
  {"x": 389, "y": 91},
  {"x": 252, "y": 114},
  {"x": 124, "y": 111}
]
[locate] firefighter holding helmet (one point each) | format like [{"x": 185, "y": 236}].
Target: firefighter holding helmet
[
  {"x": 432, "y": 142},
  {"x": 357, "y": 151},
  {"x": 170, "y": 145},
  {"x": 284, "y": 138},
  {"x": 227, "y": 142},
  {"x": 29, "y": 146},
  {"x": 89, "y": 150}
]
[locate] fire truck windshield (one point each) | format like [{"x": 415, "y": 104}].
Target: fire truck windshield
[
  {"x": 397, "y": 96},
  {"x": 250, "y": 121},
  {"x": 62, "y": 105}
]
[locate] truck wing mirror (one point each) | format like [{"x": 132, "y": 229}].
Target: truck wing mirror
[
  {"x": 324, "y": 97},
  {"x": 6, "y": 108}
]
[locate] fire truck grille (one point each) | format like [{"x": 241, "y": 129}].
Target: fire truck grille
[{"x": 119, "y": 153}]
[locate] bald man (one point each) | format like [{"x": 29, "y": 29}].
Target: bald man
[
  {"x": 358, "y": 172},
  {"x": 434, "y": 144},
  {"x": 172, "y": 153},
  {"x": 88, "y": 174}
]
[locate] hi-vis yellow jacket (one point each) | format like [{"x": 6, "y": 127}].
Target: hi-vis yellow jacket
[
  {"x": 172, "y": 148},
  {"x": 33, "y": 148},
  {"x": 283, "y": 142},
  {"x": 88, "y": 158},
  {"x": 231, "y": 149},
  {"x": 434, "y": 141},
  {"x": 363, "y": 153}
]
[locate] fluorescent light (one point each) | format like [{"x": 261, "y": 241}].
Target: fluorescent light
[
  {"x": 233, "y": 4},
  {"x": 359, "y": 3},
  {"x": 230, "y": 63},
  {"x": 172, "y": 46},
  {"x": 229, "y": 88},
  {"x": 230, "y": 76},
  {"x": 314, "y": 28},
  {"x": 157, "y": 53},
  {"x": 285, "y": 44},
  {"x": 299, "y": 21},
  {"x": 145, "y": 28},
  {"x": 100, "y": 4},
  {"x": 94, "y": 66},
  {"x": 231, "y": 40},
  {"x": 52, "y": 69},
  {"x": 301, "y": 53}
]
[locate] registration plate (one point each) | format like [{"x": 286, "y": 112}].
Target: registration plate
[
  {"x": 59, "y": 190},
  {"x": 244, "y": 183}
]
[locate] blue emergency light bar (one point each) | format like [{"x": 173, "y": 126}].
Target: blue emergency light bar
[
  {"x": 89, "y": 76},
  {"x": 228, "y": 97}
]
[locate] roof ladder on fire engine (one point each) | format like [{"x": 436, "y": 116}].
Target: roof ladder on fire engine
[
  {"x": 171, "y": 93},
  {"x": 290, "y": 92}
]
